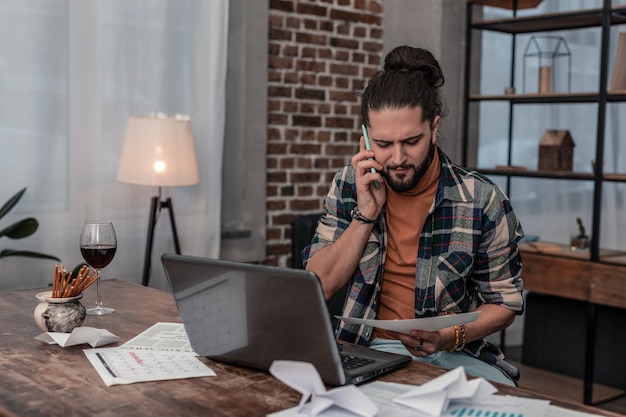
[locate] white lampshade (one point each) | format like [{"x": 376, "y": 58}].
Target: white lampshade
[{"x": 158, "y": 151}]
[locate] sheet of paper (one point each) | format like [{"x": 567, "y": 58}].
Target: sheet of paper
[
  {"x": 555, "y": 411},
  {"x": 434, "y": 396},
  {"x": 500, "y": 405},
  {"x": 123, "y": 366},
  {"x": 382, "y": 394},
  {"x": 83, "y": 334},
  {"x": 304, "y": 378},
  {"x": 427, "y": 323},
  {"x": 161, "y": 337}
]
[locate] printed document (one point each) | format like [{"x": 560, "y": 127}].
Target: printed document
[
  {"x": 161, "y": 337},
  {"x": 123, "y": 366}
]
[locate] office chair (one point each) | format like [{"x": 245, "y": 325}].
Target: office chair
[{"x": 302, "y": 231}]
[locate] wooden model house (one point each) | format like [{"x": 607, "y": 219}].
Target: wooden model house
[{"x": 556, "y": 151}]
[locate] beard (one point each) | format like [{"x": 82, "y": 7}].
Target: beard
[{"x": 412, "y": 177}]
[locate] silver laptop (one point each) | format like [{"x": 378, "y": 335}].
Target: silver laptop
[{"x": 251, "y": 315}]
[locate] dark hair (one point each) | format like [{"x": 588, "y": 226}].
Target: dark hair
[{"x": 411, "y": 77}]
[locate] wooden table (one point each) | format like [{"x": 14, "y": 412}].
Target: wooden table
[{"x": 47, "y": 380}]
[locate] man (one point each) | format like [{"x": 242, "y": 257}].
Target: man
[{"x": 415, "y": 235}]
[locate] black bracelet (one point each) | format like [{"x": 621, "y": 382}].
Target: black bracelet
[{"x": 356, "y": 214}]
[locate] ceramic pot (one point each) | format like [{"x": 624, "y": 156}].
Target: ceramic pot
[{"x": 59, "y": 315}]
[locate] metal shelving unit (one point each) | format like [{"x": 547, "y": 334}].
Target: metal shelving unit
[{"x": 603, "y": 18}]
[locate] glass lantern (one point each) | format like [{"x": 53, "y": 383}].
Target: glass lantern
[{"x": 546, "y": 59}]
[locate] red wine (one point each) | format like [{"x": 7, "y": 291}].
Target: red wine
[{"x": 98, "y": 256}]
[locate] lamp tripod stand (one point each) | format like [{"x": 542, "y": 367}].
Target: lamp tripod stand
[
  {"x": 156, "y": 205},
  {"x": 158, "y": 151}
]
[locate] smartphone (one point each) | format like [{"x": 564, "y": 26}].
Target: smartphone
[{"x": 369, "y": 148}]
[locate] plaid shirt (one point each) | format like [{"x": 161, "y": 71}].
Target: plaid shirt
[{"x": 467, "y": 254}]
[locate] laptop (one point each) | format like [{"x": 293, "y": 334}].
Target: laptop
[{"x": 250, "y": 315}]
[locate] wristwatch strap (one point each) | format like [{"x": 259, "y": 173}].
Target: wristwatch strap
[{"x": 356, "y": 214}]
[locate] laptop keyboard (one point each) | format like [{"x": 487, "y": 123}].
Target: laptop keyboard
[{"x": 353, "y": 362}]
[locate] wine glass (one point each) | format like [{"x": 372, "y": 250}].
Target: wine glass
[{"x": 98, "y": 244}]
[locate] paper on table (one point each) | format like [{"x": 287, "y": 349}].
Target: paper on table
[
  {"x": 122, "y": 366},
  {"x": 426, "y": 323},
  {"x": 434, "y": 396},
  {"x": 304, "y": 378},
  {"x": 382, "y": 394},
  {"x": 161, "y": 337},
  {"x": 94, "y": 337},
  {"x": 556, "y": 411}
]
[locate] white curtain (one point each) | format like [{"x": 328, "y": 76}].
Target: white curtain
[{"x": 71, "y": 74}]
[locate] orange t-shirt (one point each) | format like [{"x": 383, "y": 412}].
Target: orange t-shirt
[{"x": 406, "y": 213}]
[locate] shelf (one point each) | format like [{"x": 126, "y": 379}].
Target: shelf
[
  {"x": 605, "y": 19},
  {"x": 563, "y": 250},
  {"x": 616, "y": 96},
  {"x": 556, "y": 175},
  {"x": 615, "y": 177},
  {"x": 517, "y": 172},
  {"x": 551, "y": 22},
  {"x": 556, "y": 98},
  {"x": 507, "y": 4},
  {"x": 614, "y": 258},
  {"x": 596, "y": 275},
  {"x": 549, "y": 248}
]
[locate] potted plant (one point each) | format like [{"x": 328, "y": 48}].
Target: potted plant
[
  {"x": 581, "y": 241},
  {"x": 21, "y": 229}
]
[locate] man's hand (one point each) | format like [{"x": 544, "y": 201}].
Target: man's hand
[{"x": 370, "y": 199}]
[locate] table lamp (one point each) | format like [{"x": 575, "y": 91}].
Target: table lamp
[{"x": 158, "y": 151}]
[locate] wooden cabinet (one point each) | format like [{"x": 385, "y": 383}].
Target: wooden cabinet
[
  {"x": 581, "y": 280},
  {"x": 592, "y": 283}
]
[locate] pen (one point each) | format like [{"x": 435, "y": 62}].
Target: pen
[{"x": 369, "y": 148}]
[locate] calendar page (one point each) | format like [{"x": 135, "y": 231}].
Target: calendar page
[{"x": 123, "y": 366}]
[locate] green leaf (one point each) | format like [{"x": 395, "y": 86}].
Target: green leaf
[
  {"x": 27, "y": 254},
  {"x": 11, "y": 203},
  {"x": 21, "y": 229}
]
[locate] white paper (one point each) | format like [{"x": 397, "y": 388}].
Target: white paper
[
  {"x": 382, "y": 395},
  {"x": 555, "y": 411},
  {"x": 434, "y": 396},
  {"x": 426, "y": 323},
  {"x": 304, "y": 378},
  {"x": 161, "y": 337},
  {"x": 123, "y": 366},
  {"x": 500, "y": 405},
  {"x": 90, "y": 335}
]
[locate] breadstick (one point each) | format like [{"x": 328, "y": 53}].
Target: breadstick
[
  {"x": 87, "y": 281},
  {"x": 54, "y": 281},
  {"x": 64, "y": 286},
  {"x": 77, "y": 282}
]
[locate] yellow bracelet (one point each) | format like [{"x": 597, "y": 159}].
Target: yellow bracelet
[
  {"x": 457, "y": 339},
  {"x": 462, "y": 344}
]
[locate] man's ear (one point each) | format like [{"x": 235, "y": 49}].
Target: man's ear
[{"x": 434, "y": 128}]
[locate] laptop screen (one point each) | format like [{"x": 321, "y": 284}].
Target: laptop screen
[{"x": 251, "y": 315}]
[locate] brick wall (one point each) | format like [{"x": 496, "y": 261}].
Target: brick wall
[{"x": 321, "y": 54}]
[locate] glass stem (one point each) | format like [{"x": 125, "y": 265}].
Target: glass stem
[{"x": 98, "y": 300}]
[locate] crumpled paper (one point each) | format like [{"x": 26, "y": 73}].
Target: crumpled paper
[
  {"x": 83, "y": 334},
  {"x": 434, "y": 396},
  {"x": 304, "y": 378}
]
